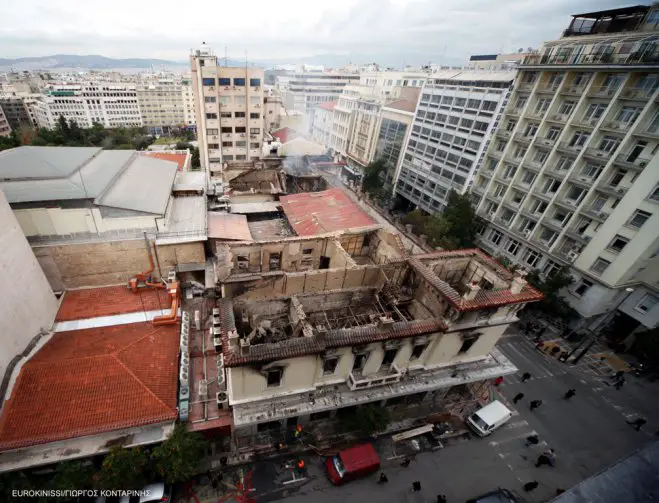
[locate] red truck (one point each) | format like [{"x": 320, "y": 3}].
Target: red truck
[{"x": 352, "y": 463}]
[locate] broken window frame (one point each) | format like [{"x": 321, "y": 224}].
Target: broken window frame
[
  {"x": 330, "y": 364},
  {"x": 280, "y": 372}
]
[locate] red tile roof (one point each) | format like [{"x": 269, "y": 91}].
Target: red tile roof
[
  {"x": 228, "y": 226},
  {"x": 91, "y": 381},
  {"x": 286, "y": 134},
  {"x": 177, "y": 158},
  {"x": 329, "y": 105},
  {"x": 109, "y": 301},
  {"x": 311, "y": 213}
]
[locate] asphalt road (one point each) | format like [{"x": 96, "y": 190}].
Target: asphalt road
[{"x": 588, "y": 433}]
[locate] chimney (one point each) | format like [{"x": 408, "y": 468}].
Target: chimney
[
  {"x": 471, "y": 291},
  {"x": 244, "y": 347},
  {"x": 234, "y": 340},
  {"x": 518, "y": 282}
]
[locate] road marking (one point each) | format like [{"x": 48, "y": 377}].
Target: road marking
[{"x": 537, "y": 367}]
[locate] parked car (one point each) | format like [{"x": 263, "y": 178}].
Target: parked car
[{"x": 352, "y": 463}]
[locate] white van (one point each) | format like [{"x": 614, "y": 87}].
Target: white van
[{"x": 489, "y": 418}]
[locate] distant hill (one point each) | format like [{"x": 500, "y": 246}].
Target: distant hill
[{"x": 89, "y": 62}]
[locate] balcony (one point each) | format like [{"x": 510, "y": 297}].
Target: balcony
[
  {"x": 502, "y": 133},
  {"x": 565, "y": 147},
  {"x": 558, "y": 117},
  {"x": 514, "y": 112},
  {"x": 523, "y": 139},
  {"x": 573, "y": 90},
  {"x": 616, "y": 126},
  {"x": 585, "y": 182},
  {"x": 532, "y": 165},
  {"x": 566, "y": 202},
  {"x": 554, "y": 224},
  {"x": 637, "y": 94},
  {"x": 602, "y": 92},
  {"x": 593, "y": 59},
  {"x": 545, "y": 196},
  {"x": 510, "y": 203},
  {"x": 525, "y": 86},
  {"x": 536, "y": 114},
  {"x": 611, "y": 190},
  {"x": 638, "y": 164},
  {"x": 595, "y": 214},
  {"x": 358, "y": 380},
  {"x": 650, "y": 130},
  {"x": 597, "y": 154},
  {"x": 544, "y": 142},
  {"x": 574, "y": 233}
]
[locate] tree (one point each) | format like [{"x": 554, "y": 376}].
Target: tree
[
  {"x": 195, "y": 161},
  {"x": 182, "y": 145},
  {"x": 188, "y": 135},
  {"x": 646, "y": 346},
  {"x": 63, "y": 128},
  {"x": 369, "y": 420},
  {"x": 178, "y": 457},
  {"x": 553, "y": 304},
  {"x": 417, "y": 219},
  {"x": 10, "y": 141},
  {"x": 124, "y": 468},
  {"x": 438, "y": 231},
  {"x": 74, "y": 475},
  {"x": 372, "y": 182},
  {"x": 462, "y": 219}
]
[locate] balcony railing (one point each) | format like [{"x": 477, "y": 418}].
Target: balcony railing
[
  {"x": 602, "y": 92},
  {"x": 617, "y": 125},
  {"x": 358, "y": 380},
  {"x": 523, "y": 139},
  {"x": 570, "y": 149},
  {"x": 612, "y": 190},
  {"x": 638, "y": 163},
  {"x": 595, "y": 153},
  {"x": 636, "y": 93},
  {"x": 635, "y": 58},
  {"x": 544, "y": 142},
  {"x": 558, "y": 117},
  {"x": 548, "y": 88},
  {"x": 502, "y": 133},
  {"x": 574, "y": 233},
  {"x": 573, "y": 90},
  {"x": 595, "y": 213}
]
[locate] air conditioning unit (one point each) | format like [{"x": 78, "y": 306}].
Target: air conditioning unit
[
  {"x": 603, "y": 215},
  {"x": 185, "y": 317},
  {"x": 185, "y": 358},
  {"x": 621, "y": 191},
  {"x": 183, "y": 374},
  {"x": 226, "y": 88},
  {"x": 258, "y": 105},
  {"x": 242, "y": 135},
  {"x": 216, "y": 311},
  {"x": 184, "y": 392},
  {"x": 203, "y": 388},
  {"x": 587, "y": 238},
  {"x": 222, "y": 400},
  {"x": 257, "y": 88},
  {"x": 584, "y": 179},
  {"x": 642, "y": 164},
  {"x": 216, "y": 320},
  {"x": 574, "y": 89},
  {"x": 557, "y": 117},
  {"x": 613, "y": 125},
  {"x": 572, "y": 255},
  {"x": 217, "y": 342},
  {"x": 546, "y": 142},
  {"x": 526, "y": 233}
]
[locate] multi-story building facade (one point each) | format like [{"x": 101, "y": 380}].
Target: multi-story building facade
[
  {"x": 387, "y": 84},
  {"x": 323, "y": 116},
  {"x": 18, "y": 109},
  {"x": 455, "y": 118},
  {"x": 330, "y": 335},
  {"x": 572, "y": 178},
  {"x": 162, "y": 104},
  {"x": 307, "y": 89},
  {"x": 228, "y": 109},
  {"x": 5, "y": 128},
  {"x": 187, "y": 95},
  {"x": 272, "y": 110},
  {"x": 112, "y": 105}
]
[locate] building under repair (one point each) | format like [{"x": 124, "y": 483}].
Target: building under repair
[{"x": 311, "y": 328}]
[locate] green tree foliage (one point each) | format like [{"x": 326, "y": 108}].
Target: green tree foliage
[
  {"x": 178, "y": 457},
  {"x": 553, "y": 304},
  {"x": 373, "y": 181},
  {"x": 10, "y": 141},
  {"x": 73, "y": 475},
  {"x": 646, "y": 346},
  {"x": 195, "y": 161},
  {"x": 455, "y": 228},
  {"x": 368, "y": 420},
  {"x": 124, "y": 468}
]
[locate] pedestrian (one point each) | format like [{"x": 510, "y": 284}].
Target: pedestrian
[
  {"x": 518, "y": 397},
  {"x": 637, "y": 423},
  {"x": 535, "y": 404},
  {"x": 618, "y": 375},
  {"x": 441, "y": 498},
  {"x": 542, "y": 460},
  {"x": 546, "y": 458},
  {"x": 569, "y": 394},
  {"x": 526, "y": 376},
  {"x": 406, "y": 462},
  {"x": 416, "y": 486},
  {"x": 383, "y": 479},
  {"x": 531, "y": 486},
  {"x": 532, "y": 440},
  {"x": 619, "y": 384},
  {"x": 498, "y": 381}
]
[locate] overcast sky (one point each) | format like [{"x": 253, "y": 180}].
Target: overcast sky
[{"x": 423, "y": 29}]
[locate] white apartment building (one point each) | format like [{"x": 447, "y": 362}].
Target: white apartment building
[
  {"x": 573, "y": 175},
  {"x": 113, "y": 105},
  {"x": 323, "y": 119},
  {"x": 386, "y": 84},
  {"x": 161, "y": 103},
  {"x": 307, "y": 89},
  {"x": 187, "y": 95},
  {"x": 455, "y": 118},
  {"x": 228, "y": 109},
  {"x": 5, "y": 128}
]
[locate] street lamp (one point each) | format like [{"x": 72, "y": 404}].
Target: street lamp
[{"x": 595, "y": 337}]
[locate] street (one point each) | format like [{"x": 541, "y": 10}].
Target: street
[{"x": 588, "y": 433}]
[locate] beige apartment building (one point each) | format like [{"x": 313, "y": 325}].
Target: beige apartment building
[
  {"x": 161, "y": 103},
  {"x": 5, "y": 128},
  {"x": 228, "y": 110},
  {"x": 572, "y": 175},
  {"x": 312, "y": 328}
]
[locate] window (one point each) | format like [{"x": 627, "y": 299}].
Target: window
[
  {"x": 213, "y": 145},
  {"x": 628, "y": 114},
  {"x": 647, "y": 302},
  {"x": 211, "y": 116},
  {"x": 591, "y": 170},
  {"x": 513, "y": 247},
  {"x": 225, "y": 115},
  {"x": 227, "y": 144},
  {"x": 417, "y": 351},
  {"x": 209, "y": 99},
  {"x": 550, "y": 269},
  {"x": 360, "y": 361},
  {"x": 579, "y": 139},
  {"x": 242, "y": 143},
  {"x": 540, "y": 157},
  {"x": 542, "y": 105},
  {"x": 521, "y": 102},
  {"x": 254, "y": 115},
  {"x": 532, "y": 257},
  {"x": 208, "y": 82},
  {"x": 274, "y": 377},
  {"x": 240, "y": 129},
  {"x": 211, "y": 132},
  {"x": 227, "y": 129},
  {"x": 654, "y": 195},
  {"x": 594, "y": 111},
  {"x": 609, "y": 144},
  {"x": 239, "y": 82},
  {"x": 639, "y": 218},
  {"x": 528, "y": 177},
  {"x": 223, "y": 81},
  {"x": 254, "y": 145},
  {"x": 255, "y": 82},
  {"x": 239, "y": 115},
  {"x": 468, "y": 340},
  {"x": 329, "y": 365},
  {"x": 566, "y": 108},
  {"x": 600, "y": 265},
  {"x": 495, "y": 237},
  {"x": 582, "y": 287},
  {"x": 254, "y": 130},
  {"x": 389, "y": 356},
  {"x": 618, "y": 243},
  {"x": 553, "y": 133},
  {"x": 225, "y": 101}
]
